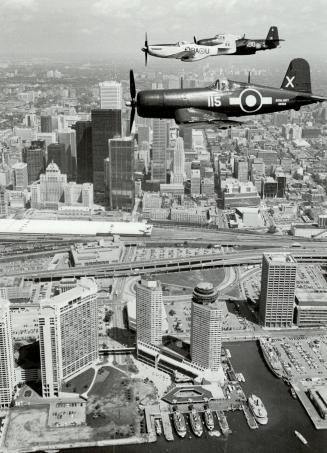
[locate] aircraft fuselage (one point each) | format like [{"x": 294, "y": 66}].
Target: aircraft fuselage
[{"x": 240, "y": 99}]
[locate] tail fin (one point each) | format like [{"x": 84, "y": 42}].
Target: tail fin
[
  {"x": 297, "y": 77},
  {"x": 272, "y": 39}
]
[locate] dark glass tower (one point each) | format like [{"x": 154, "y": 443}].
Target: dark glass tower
[
  {"x": 84, "y": 151},
  {"x": 57, "y": 154},
  {"x": 106, "y": 124}
]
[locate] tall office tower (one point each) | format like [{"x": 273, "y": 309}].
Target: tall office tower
[
  {"x": 106, "y": 124},
  {"x": 257, "y": 168},
  {"x": 34, "y": 157},
  {"x": 111, "y": 95},
  {"x": 186, "y": 133},
  {"x": 242, "y": 170},
  {"x": 143, "y": 135},
  {"x": 121, "y": 173},
  {"x": 159, "y": 150},
  {"x": 46, "y": 123},
  {"x": 7, "y": 375},
  {"x": 68, "y": 329},
  {"x": 281, "y": 184},
  {"x": 149, "y": 311},
  {"x": 206, "y": 327},
  {"x": 84, "y": 151},
  {"x": 278, "y": 279},
  {"x": 195, "y": 178},
  {"x": 52, "y": 187},
  {"x": 179, "y": 161},
  {"x": 57, "y": 154},
  {"x": 4, "y": 199},
  {"x": 20, "y": 176},
  {"x": 68, "y": 138}
]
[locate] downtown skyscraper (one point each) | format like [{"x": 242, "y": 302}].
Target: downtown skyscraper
[
  {"x": 179, "y": 162},
  {"x": 83, "y": 131},
  {"x": 111, "y": 95},
  {"x": 106, "y": 124},
  {"x": 149, "y": 305},
  {"x": 159, "y": 150},
  {"x": 121, "y": 173}
]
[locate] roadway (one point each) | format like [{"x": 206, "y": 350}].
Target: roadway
[{"x": 235, "y": 258}]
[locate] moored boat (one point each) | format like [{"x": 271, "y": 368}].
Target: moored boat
[
  {"x": 179, "y": 423},
  {"x": 258, "y": 409},
  {"x": 271, "y": 357},
  {"x": 208, "y": 419},
  {"x": 196, "y": 423},
  {"x": 157, "y": 425}
]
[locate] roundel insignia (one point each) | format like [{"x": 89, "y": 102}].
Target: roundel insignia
[{"x": 250, "y": 100}]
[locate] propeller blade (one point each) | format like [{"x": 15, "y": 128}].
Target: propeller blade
[
  {"x": 132, "y": 84},
  {"x": 146, "y": 41},
  {"x": 249, "y": 77},
  {"x": 182, "y": 82},
  {"x": 194, "y": 39},
  {"x": 146, "y": 57},
  {"x": 131, "y": 121}
]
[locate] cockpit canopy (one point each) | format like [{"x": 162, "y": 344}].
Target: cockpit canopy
[{"x": 224, "y": 85}]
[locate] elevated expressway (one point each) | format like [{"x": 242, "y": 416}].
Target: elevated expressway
[{"x": 316, "y": 254}]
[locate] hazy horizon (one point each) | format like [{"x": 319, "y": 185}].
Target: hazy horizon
[{"x": 95, "y": 29}]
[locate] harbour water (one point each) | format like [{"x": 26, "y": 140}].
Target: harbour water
[{"x": 285, "y": 415}]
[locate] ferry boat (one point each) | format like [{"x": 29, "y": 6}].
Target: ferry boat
[
  {"x": 208, "y": 419},
  {"x": 301, "y": 437},
  {"x": 271, "y": 357},
  {"x": 157, "y": 425},
  {"x": 196, "y": 423},
  {"x": 179, "y": 423},
  {"x": 258, "y": 409}
]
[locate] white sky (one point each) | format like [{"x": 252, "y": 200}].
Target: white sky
[{"x": 111, "y": 27}]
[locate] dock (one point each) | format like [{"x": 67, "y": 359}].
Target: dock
[
  {"x": 249, "y": 417},
  {"x": 167, "y": 429},
  {"x": 223, "y": 423}
]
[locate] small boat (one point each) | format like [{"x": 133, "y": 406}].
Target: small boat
[
  {"x": 196, "y": 423},
  {"x": 179, "y": 423},
  {"x": 258, "y": 409},
  {"x": 208, "y": 419},
  {"x": 301, "y": 437},
  {"x": 293, "y": 393},
  {"x": 157, "y": 425}
]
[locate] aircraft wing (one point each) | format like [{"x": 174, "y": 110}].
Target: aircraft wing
[
  {"x": 197, "y": 116},
  {"x": 183, "y": 54}
]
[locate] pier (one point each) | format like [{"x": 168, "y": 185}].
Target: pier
[
  {"x": 167, "y": 429},
  {"x": 249, "y": 417}
]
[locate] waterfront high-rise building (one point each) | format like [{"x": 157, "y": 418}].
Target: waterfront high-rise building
[
  {"x": 106, "y": 124},
  {"x": 206, "y": 327},
  {"x": 68, "y": 329},
  {"x": 68, "y": 138},
  {"x": 121, "y": 173},
  {"x": 57, "y": 154},
  {"x": 7, "y": 375},
  {"x": 84, "y": 151},
  {"x": 179, "y": 162},
  {"x": 159, "y": 150},
  {"x": 20, "y": 176},
  {"x": 34, "y": 157},
  {"x": 278, "y": 281},
  {"x": 111, "y": 95},
  {"x": 149, "y": 304}
]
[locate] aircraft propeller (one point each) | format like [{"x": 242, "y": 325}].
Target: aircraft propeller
[
  {"x": 195, "y": 40},
  {"x": 146, "y": 49},
  {"x": 132, "y": 102}
]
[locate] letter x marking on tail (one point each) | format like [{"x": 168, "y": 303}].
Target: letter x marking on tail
[{"x": 290, "y": 82}]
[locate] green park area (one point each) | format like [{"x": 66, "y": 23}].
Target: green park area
[
  {"x": 184, "y": 282},
  {"x": 79, "y": 384}
]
